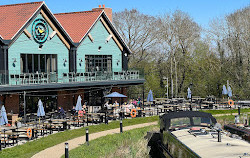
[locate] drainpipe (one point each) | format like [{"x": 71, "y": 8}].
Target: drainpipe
[{"x": 5, "y": 63}]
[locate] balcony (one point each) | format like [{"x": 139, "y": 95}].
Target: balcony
[{"x": 14, "y": 78}]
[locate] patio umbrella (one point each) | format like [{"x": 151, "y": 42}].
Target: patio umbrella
[
  {"x": 150, "y": 97},
  {"x": 189, "y": 93},
  {"x": 3, "y": 119},
  {"x": 40, "y": 110},
  {"x": 79, "y": 103},
  {"x": 115, "y": 95},
  {"x": 229, "y": 91},
  {"x": 224, "y": 90}
]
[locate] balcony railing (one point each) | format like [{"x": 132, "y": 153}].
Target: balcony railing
[{"x": 60, "y": 76}]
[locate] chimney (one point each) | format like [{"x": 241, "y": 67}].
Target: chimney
[{"x": 108, "y": 11}]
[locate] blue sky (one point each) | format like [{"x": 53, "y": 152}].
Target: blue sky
[{"x": 200, "y": 10}]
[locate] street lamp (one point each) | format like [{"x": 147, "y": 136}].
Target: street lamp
[
  {"x": 166, "y": 86},
  {"x": 190, "y": 86}
]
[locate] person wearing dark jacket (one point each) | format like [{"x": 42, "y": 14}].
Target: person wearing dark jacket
[{"x": 61, "y": 112}]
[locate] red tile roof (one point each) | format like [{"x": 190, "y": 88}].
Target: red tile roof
[
  {"x": 77, "y": 24},
  {"x": 13, "y": 17}
]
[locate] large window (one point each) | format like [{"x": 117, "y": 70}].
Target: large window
[
  {"x": 98, "y": 63},
  {"x": 33, "y": 63}
]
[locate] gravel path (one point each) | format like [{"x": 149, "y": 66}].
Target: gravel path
[{"x": 58, "y": 150}]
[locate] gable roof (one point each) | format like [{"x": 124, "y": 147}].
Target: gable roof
[
  {"x": 13, "y": 17},
  {"x": 77, "y": 24}
]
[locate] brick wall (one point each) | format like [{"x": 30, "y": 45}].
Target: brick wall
[
  {"x": 68, "y": 99},
  {"x": 12, "y": 103}
]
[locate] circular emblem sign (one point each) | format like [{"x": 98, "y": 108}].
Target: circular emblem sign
[{"x": 40, "y": 30}]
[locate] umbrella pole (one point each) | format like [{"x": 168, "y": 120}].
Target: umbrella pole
[{"x": 24, "y": 106}]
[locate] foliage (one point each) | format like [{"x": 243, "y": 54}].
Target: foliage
[
  {"x": 31, "y": 148},
  {"x": 116, "y": 145},
  {"x": 175, "y": 47}
]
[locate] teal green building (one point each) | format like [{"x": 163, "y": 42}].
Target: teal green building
[{"x": 57, "y": 57}]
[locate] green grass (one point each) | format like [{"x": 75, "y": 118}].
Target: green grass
[
  {"x": 214, "y": 112},
  {"x": 30, "y": 148},
  {"x": 117, "y": 145}
]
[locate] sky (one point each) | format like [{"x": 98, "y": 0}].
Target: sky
[{"x": 202, "y": 11}]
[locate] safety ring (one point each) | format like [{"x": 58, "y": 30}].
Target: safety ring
[
  {"x": 230, "y": 102},
  {"x": 133, "y": 113},
  {"x": 29, "y": 133}
]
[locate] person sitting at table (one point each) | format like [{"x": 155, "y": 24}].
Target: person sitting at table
[
  {"x": 80, "y": 113},
  {"x": 84, "y": 108},
  {"x": 73, "y": 110},
  {"x": 61, "y": 112},
  {"x": 106, "y": 105},
  {"x": 116, "y": 104}
]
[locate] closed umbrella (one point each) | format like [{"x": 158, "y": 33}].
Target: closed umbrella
[
  {"x": 79, "y": 103},
  {"x": 40, "y": 110},
  {"x": 224, "y": 90},
  {"x": 229, "y": 91},
  {"x": 3, "y": 119},
  {"x": 189, "y": 93},
  {"x": 150, "y": 97}
]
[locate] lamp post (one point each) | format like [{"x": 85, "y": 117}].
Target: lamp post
[
  {"x": 166, "y": 86},
  {"x": 87, "y": 136},
  {"x": 66, "y": 150},
  {"x": 190, "y": 86}
]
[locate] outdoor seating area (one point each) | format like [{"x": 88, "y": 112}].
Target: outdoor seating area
[
  {"x": 54, "y": 77},
  {"x": 17, "y": 130}
]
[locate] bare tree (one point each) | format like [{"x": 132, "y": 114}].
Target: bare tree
[{"x": 138, "y": 32}]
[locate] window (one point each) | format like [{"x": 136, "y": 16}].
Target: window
[
  {"x": 33, "y": 63},
  {"x": 98, "y": 63}
]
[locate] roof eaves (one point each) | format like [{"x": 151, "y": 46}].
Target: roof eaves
[
  {"x": 60, "y": 25},
  {"x": 118, "y": 34},
  {"x": 28, "y": 20},
  {"x": 91, "y": 26}
]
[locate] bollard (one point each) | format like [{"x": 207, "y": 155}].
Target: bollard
[
  {"x": 219, "y": 136},
  {"x": 121, "y": 126},
  {"x": 66, "y": 150},
  {"x": 239, "y": 110},
  {"x": 87, "y": 136}
]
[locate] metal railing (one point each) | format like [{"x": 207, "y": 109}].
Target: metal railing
[{"x": 14, "y": 78}]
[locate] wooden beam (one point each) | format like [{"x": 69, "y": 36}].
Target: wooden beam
[
  {"x": 26, "y": 32},
  {"x": 55, "y": 29},
  {"x": 110, "y": 32},
  {"x": 91, "y": 37}
]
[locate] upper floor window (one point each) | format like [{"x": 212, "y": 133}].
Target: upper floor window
[
  {"x": 98, "y": 63},
  {"x": 33, "y": 63}
]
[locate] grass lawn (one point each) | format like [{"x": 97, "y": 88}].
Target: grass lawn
[
  {"x": 128, "y": 144},
  {"x": 214, "y": 112},
  {"x": 30, "y": 148}
]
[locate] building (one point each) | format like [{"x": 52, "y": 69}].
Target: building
[{"x": 56, "y": 57}]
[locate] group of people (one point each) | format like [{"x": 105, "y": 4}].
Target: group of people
[
  {"x": 124, "y": 108},
  {"x": 80, "y": 112}
]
